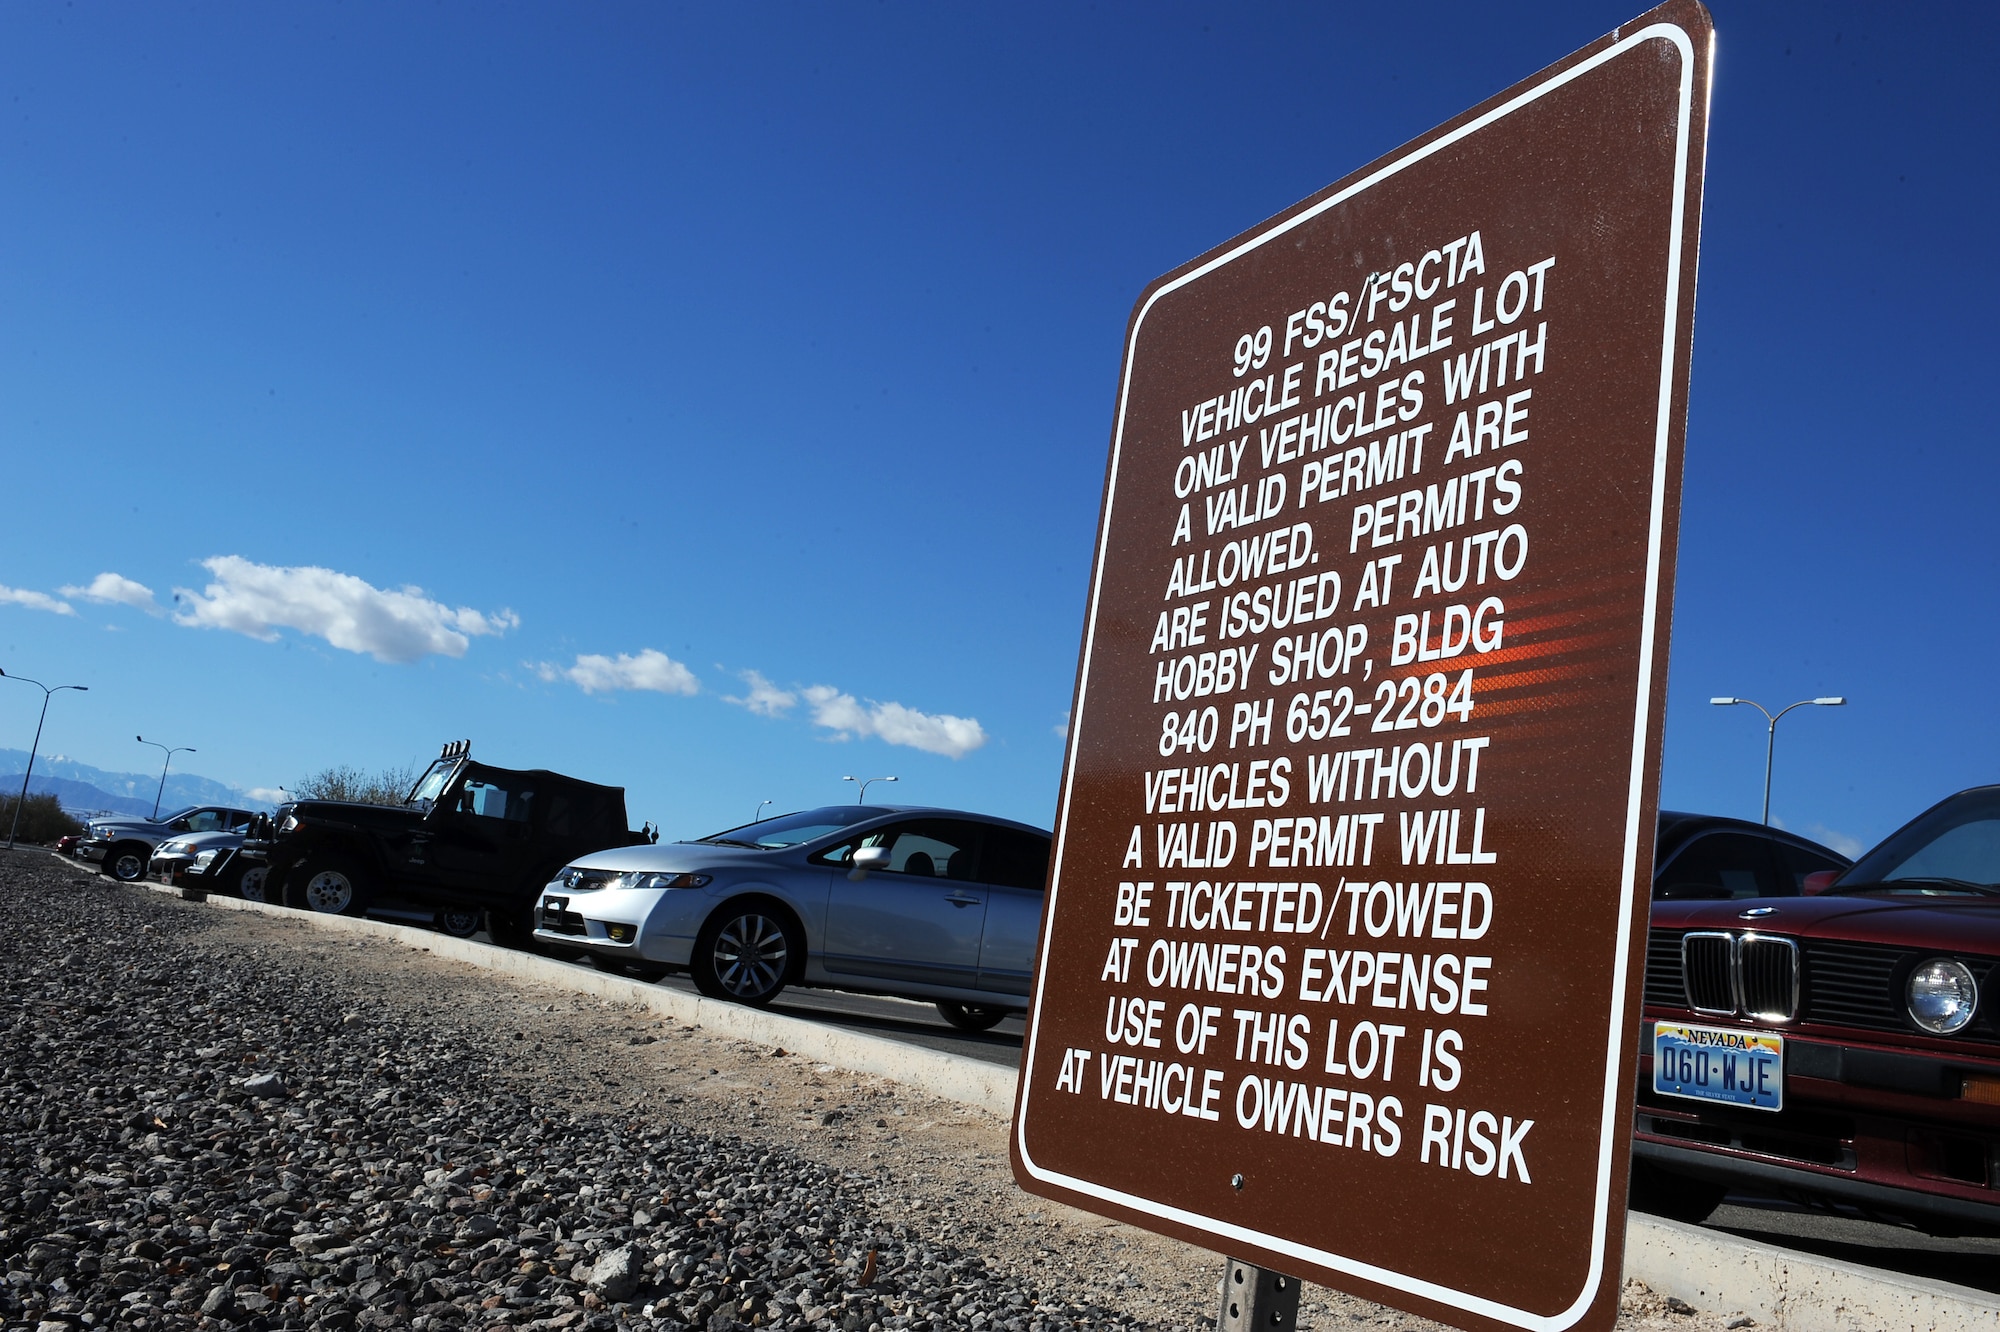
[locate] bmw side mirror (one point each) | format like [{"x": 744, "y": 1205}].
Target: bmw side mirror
[
  {"x": 1818, "y": 882},
  {"x": 865, "y": 859}
]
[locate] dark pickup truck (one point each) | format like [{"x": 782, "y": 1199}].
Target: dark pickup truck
[{"x": 472, "y": 844}]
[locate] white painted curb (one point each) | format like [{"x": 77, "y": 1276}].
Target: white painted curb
[{"x": 1783, "y": 1290}]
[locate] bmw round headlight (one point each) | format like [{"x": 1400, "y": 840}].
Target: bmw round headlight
[{"x": 1942, "y": 995}]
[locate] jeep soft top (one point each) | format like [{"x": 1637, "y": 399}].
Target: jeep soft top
[{"x": 470, "y": 840}]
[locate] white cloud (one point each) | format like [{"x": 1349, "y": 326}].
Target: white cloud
[
  {"x": 266, "y": 795},
  {"x": 41, "y": 601},
  {"x": 115, "y": 590},
  {"x": 892, "y": 723},
  {"x": 762, "y": 697},
  {"x": 649, "y": 670},
  {"x": 1061, "y": 728},
  {"x": 1851, "y": 847},
  {"x": 401, "y": 625}
]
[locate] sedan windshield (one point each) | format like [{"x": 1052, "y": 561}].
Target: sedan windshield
[
  {"x": 1955, "y": 848},
  {"x": 807, "y": 825}
]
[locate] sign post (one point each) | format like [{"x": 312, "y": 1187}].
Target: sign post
[{"x": 1340, "y": 962}]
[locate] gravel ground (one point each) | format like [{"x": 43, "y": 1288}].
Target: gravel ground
[{"x": 221, "y": 1119}]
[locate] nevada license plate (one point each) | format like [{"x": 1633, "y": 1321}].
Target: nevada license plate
[{"x": 1720, "y": 1064}]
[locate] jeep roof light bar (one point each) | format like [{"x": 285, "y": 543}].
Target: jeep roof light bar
[{"x": 455, "y": 749}]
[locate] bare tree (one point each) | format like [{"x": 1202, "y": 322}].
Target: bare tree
[{"x": 346, "y": 782}]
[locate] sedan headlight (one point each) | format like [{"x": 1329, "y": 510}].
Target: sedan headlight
[
  {"x": 172, "y": 849},
  {"x": 1942, "y": 995},
  {"x": 205, "y": 859},
  {"x": 666, "y": 881}
]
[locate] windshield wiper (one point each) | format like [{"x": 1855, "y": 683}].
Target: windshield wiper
[
  {"x": 731, "y": 841},
  {"x": 1961, "y": 885}
]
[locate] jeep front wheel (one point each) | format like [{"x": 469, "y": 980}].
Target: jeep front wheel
[{"x": 330, "y": 886}]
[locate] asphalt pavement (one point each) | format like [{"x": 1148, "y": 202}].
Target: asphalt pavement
[{"x": 1964, "y": 1261}]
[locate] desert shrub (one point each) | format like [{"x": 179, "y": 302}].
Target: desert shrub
[{"x": 42, "y": 818}]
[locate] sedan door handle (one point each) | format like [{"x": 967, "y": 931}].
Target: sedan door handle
[{"x": 961, "y": 900}]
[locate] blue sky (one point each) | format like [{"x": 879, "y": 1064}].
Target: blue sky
[{"x": 767, "y": 353}]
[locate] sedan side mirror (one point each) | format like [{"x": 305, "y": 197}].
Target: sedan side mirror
[
  {"x": 1818, "y": 882},
  {"x": 867, "y": 858}
]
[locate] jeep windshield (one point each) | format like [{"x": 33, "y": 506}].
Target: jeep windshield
[
  {"x": 431, "y": 785},
  {"x": 793, "y": 829},
  {"x": 1954, "y": 849}
]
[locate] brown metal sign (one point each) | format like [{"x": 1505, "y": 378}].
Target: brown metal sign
[{"x": 1340, "y": 965}]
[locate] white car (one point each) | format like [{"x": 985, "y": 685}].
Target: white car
[
  {"x": 933, "y": 904},
  {"x": 208, "y": 860}
]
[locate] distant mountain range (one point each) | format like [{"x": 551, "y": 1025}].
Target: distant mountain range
[{"x": 83, "y": 789}]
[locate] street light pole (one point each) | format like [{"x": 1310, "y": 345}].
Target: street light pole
[
  {"x": 862, "y": 798},
  {"x": 47, "y": 694},
  {"x": 180, "y": 749},
  {"x": 759, "y": 816},
  {"x": 1771, "y": 732}
]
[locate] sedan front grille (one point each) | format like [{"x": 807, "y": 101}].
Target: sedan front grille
[
  {"x": 1751, "y": 974},
  {"x": 558, "y": 919},
  {"x": 1767, "y": 976},
  {"x": 1707, "y": 967},
  {"x": 1663, "y": 968}
]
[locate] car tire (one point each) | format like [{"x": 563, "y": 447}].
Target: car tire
[
  {"x": 971, "y": 1017},
  {"x": 331, "y": 886},
  {"x": 746, "y": 953},
  {"x": 459, "y": 922},
  {"x": 252, "y": 883},
  {"x": 1676, "y": 1197},
  {"x": 127, "y": 861}
]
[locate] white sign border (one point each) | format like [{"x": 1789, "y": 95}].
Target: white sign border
[{"x": 1615, "y": 1068}]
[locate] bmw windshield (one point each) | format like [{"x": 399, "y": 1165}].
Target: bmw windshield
[
  {"x": 808, "y": 825},
  {"x": 1954, "y": 848}
]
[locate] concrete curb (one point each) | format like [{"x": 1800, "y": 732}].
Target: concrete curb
[
  {"x": 954, "y": 1077},
  {"x": 1794, "y": 1292},
  {"x": 1783, "y": 1290}
]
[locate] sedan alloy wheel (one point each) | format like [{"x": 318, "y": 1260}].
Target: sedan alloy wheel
[{"x": 747, "y": 958}]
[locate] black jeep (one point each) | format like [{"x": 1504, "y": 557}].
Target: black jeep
[{"x": 471, "y": 844}]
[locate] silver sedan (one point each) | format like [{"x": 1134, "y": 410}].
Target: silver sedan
[{"x": 933, "y": 904}]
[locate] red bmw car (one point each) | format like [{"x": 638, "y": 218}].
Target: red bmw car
[{"x": 1841, "y": 1044}]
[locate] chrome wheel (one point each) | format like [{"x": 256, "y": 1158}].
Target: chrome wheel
[
  {"x": 251, "y": 885},
  {"x": 750, "y": 957},
  {"x": 330, "y": 890},
  {"x": 127, "y": 866},
  {"x": 460, "y": 922}
]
